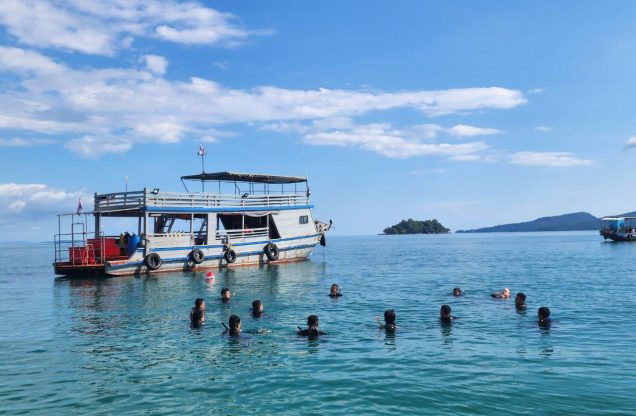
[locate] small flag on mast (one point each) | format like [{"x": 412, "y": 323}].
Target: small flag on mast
[
  {"x": 79, "y": 206},
  {"x": 201, "y": 150}
]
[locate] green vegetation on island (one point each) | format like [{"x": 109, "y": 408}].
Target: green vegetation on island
[{"x": 417, "y": 227}]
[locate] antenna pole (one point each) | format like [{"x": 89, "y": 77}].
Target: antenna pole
[{"x": 305, "y": 163}]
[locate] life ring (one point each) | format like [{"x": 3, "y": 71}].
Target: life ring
[
  {"x": 197, "y": 256},
  {"x": 271, "y": 251},
  {"x": 152, "y": 261},
  {"x": 230, "y": 256}
]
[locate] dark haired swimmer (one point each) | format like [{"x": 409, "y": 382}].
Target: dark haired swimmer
[
  {"x": 445, "y": 314},
  {"x": 235, "y": 325},
  {"x": 225, "y": 295},
  {"x": 197, "y": 315},
  {"x": 520, "y": 301},
  {"x": 334, "y": 292},
  {"x": 389, "y": 320},
  {"x": 457, "y": 292},
  {"x": 544, "y": 315},
  {"x": 257, "y": 309},
  {"x": 312, "y": 330}
]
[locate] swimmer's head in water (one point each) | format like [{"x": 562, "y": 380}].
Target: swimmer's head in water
[
  {"x": 334, "y": 289},
  {"x": 199, "y": 304},
  {"x": 257, "y": 306},
  {"x": 543, "y": 314},
  {"x": 520, "y": 300},
  {"x": 312, "y": 321},
  {"x": 457, "y": 292},
  {"x": 389, "y": 317},
  {"x": 505, "y": 292},
  {"x": 225, "y": 294},
  {"x": 445, "y": 311},
  {"x": 235, "y": 323}
]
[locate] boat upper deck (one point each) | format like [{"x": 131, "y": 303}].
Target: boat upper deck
[
  {"x": 131, "y": 203},
  {"x": 252, "y": 192}
]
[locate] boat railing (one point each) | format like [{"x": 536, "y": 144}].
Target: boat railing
[
  {"x": 139, "y": 199},
  {"x": 77, "y": 248},
  {"x": 242, "y": 235}
]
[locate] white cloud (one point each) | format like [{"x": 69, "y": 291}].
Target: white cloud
[
  {"x": 560, "y": 159},
  {"x": 535, "y": 91},
  {"x": 543, "y": 128},
  {"x": 112, "y": 109},
  {"x": 156, "y": 64},
  {"x": 222, "y": 65},
  {"x": 19, "y": 141},
  {"x": 428, "y": 171},
  {"x": 21, "y": 61},
  {"x": 468, "y": 131},
  {"x": 631, "y": 142},
  {"x": 94, "y": 147},
  {"x": 103, "y": 26},
  {"x": 35, "y": 198},
  {"x": 383, "y": 139}
]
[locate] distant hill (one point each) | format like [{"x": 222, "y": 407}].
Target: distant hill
[
  {"x": 417, "y": 227},
  {"x": 578, "y": 221}
]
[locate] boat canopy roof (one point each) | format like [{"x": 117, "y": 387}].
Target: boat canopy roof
[
  {"x": 617, "y": 218},
  {"x": 244, "y": 177}
]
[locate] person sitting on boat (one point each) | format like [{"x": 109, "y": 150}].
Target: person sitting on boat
[
  {"x": 312, "y": 330},
  {"x": 197, "y": 315},
  {"x": 457, "y": 292},
  {"x": 504, "y": 294},
  {"x": 257, "y": 309},
  {"x": 520, "y": 301},
  {"x": 544, "y": 315},
  {"x": 225, "y": 295},
  {"x": 445, "y": 314},
  {"x": 389, "y": 320},
  {"x": 235, "y": 325},
  {"x": 334, "y": 292}
]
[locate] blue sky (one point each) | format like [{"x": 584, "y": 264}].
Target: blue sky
[{"x": 469, "y": 112}]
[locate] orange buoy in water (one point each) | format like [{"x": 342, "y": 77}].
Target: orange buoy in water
[{"x": 209, "y": 276}]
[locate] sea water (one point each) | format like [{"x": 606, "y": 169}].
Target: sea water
[{"x": 123, "y": 345}]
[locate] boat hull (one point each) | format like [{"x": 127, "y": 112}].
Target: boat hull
[
  {"x": 175, "y": 259},
  {"x": 619, "y": 237}
]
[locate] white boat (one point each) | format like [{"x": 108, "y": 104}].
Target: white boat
[{"x": 193, "y": 230}]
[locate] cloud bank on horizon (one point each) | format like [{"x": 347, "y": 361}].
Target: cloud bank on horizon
[{"x": 96, "y": 111}]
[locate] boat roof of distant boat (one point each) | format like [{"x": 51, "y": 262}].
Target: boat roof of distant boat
[
  {"x": 244, "y": 177},
  {"x": 617, "y": 218}
]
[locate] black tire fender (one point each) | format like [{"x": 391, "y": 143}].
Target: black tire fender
[
  {"x": 271, "y": 251},
  {"x": 197, "y": 256},
  {"x": 230, "y": 256},
  {"x": 153, "y": 261}
]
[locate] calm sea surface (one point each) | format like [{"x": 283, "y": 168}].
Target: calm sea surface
[{"x": 123, "y": 345}]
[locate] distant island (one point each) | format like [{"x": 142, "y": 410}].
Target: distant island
[
  {"x": 417, "y": 227},
  {"x": 578, "y": 221}
]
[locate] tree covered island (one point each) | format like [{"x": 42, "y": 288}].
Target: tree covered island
[{"x": 417, "y": 227}]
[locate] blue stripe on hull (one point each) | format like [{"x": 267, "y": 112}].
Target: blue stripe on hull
[
  {"x": 216, "y": 256},
  {"x": 237, "y": 244}
]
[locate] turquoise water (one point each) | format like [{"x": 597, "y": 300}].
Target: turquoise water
[{"x": 123, "y": 345}]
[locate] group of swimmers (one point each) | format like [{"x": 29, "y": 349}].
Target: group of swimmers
[
  {"x": 520, "y": 303},
  {"x": 197, "y": 315}
]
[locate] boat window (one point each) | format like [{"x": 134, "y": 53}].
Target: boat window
[{"x": 304, "y": 219}]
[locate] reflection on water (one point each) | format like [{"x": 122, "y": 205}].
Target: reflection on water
[{"x": 124, "y": 345}]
